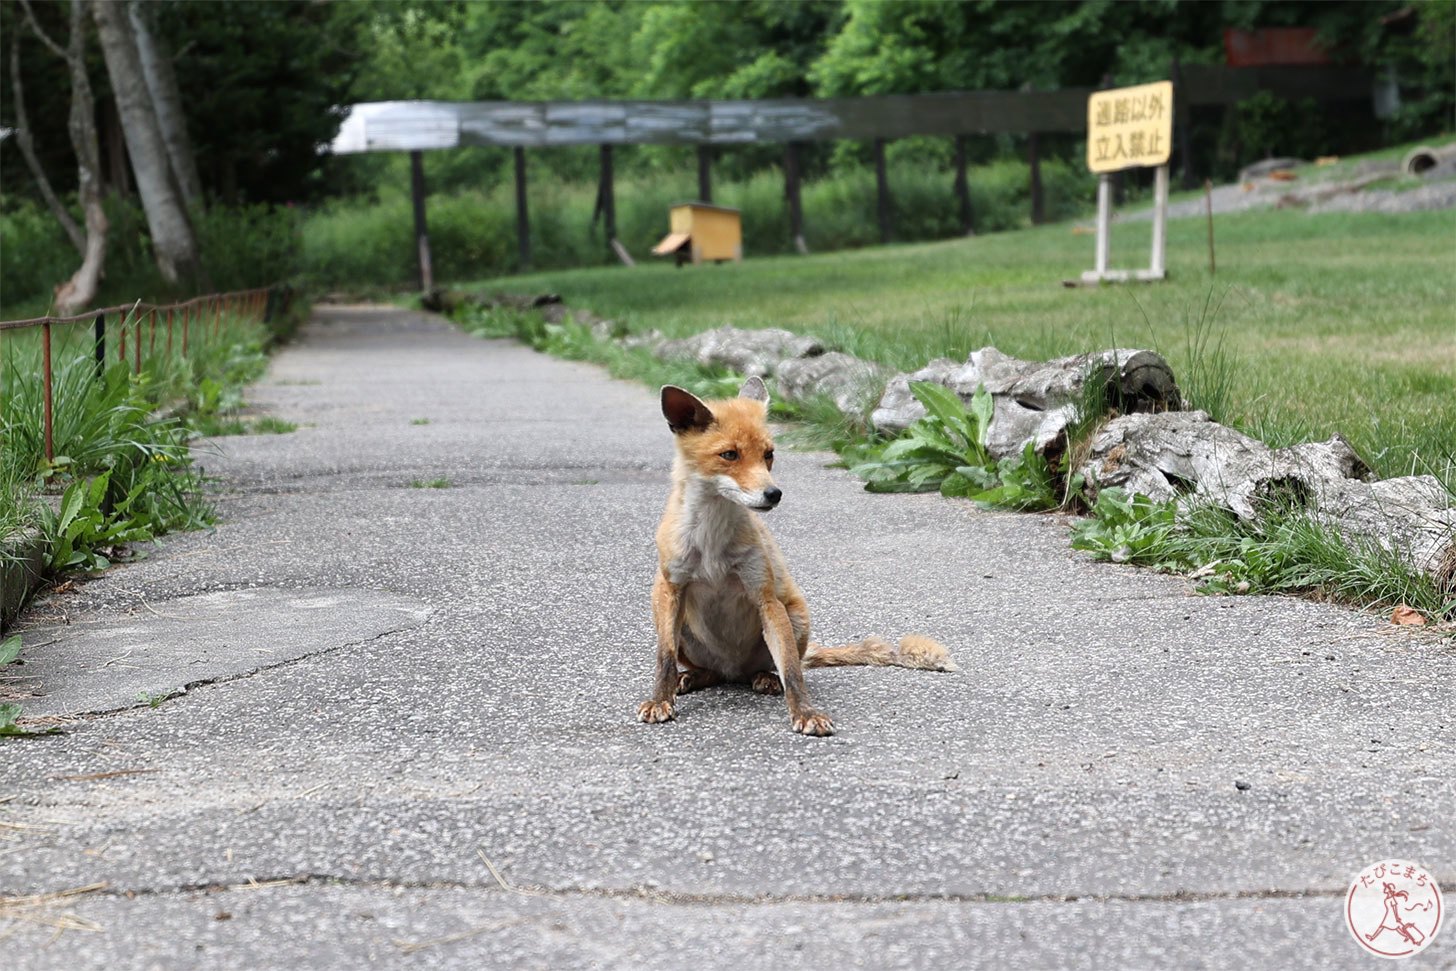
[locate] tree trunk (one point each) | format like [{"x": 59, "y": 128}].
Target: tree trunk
[
  {"x": 80, "y": 290},
  {"x": 1035, "y": 401},
  {"x": 162, "y": 83},
  {"x": 173, "y": 243},
  {"x": 27, "y": 151},
  {"x": 1177, "y": 454}
]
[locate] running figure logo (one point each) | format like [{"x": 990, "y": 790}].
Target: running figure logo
[{"x": 1393, "y": 909}]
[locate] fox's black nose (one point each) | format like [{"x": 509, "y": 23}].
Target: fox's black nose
[{"x": 772, "y": 496}]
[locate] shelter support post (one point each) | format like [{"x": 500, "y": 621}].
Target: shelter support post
[
  {"x": 791, "y": 189},
  {"x": 883, "y": 203},
  {"x": 963, "y": 187},
  {"x": 1033, "y": 158},
  {"x": 426, "y": 274},
  {"x": 523, "y": 219},
  {"x": 705, "y": 173},
  {"x": 608, "y": 196}
]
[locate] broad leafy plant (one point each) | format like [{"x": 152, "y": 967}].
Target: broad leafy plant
[
  {"x": 1128, "y": 528},
  {"x": 81, "y": 532},
  {"x": 946, "y": 451}
]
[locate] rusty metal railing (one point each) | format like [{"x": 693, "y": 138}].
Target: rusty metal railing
[{"x": 187, "y": 319}]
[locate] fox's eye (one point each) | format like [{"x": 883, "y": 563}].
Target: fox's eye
[
  {"x": 728, "y": 456},
  {"x": 768, "y": 458}
]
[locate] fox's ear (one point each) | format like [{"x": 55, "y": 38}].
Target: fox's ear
[
  {"x": 683, "y": 411},
  {"x": 754, "y": 389}
]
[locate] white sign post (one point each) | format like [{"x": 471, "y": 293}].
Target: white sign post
[{"x": 1130, "y": 128}]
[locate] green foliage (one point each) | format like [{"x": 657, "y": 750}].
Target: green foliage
[
  {"x": 1285, "y": 550},
  {"x": 1026, "y": 482},
  {"x": 1127, "y": 528},
  {"x": 431, "y": 484},
  {"x": 251, "y": 144},
  {"x": 10, "y": 727},
  {"x": 364, "y": 243},
  {"x": 83, "y": 533},
  {"x": 10, "y": 713},
  {"x": 123, "y": 470},
  {"x": 37, "y": 253},
  {"x": 242, "y": 246},
  {"x": 945, "y": 450},
  {"x": 1301, "y": 331},
  {"x": 1265, "y": 125}
]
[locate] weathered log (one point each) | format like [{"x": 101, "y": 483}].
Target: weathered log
[
  {"x": 747, "y": 352},
  {"x": 1035, "y": 401},
  {"x": 442, "y": 300},
  {"x": 852, "y": 383},
  {"x": 1185, "y": 454}
]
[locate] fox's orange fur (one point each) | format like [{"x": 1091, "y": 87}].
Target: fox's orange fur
[{"x": 723, "y": 603}]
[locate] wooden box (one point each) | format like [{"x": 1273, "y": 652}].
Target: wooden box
[{"x": 702, "y": 232}]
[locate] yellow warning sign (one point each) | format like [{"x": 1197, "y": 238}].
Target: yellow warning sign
[{"x": 1130, "y": 127}]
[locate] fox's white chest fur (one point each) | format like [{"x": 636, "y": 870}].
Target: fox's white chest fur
[{"x": 716, "y": 568}]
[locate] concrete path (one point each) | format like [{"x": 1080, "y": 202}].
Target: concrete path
[{"x": 407, "y": 737}]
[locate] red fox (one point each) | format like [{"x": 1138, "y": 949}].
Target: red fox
[{"x": 723, "y": 603}]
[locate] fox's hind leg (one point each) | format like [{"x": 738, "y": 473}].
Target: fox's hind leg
[
  {"x": 696, "y": 679},
  {"x": 767, "y": 683}
]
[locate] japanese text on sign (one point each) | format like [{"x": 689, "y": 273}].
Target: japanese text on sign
[{"x": 1130, "y": 127}]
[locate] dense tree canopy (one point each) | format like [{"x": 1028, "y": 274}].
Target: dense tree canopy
[{"x": 262, "y": 82}]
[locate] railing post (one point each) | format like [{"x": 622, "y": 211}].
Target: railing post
[
  {"x": 186, "y": 322},
  {"x": 45, "y": 341},
  {"x": 98, "y": 329},
  {"x": 523, "y": 221},
  {"x": 169, "y": 331},
  {"x": 121, "y": 341},
  {"x": 268, "y": 307}
]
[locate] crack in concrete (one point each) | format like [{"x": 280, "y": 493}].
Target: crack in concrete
[
  {"x": 721, "y": 899},
  {"x": 190, "y": 686}
]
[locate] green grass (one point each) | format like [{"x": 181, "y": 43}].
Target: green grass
[
  {"x": 365, "y": 243},
  {"x": 1285, "y": 551},
  {"x": 122, "y": 435},
  {"x": 1339, "y": 322},
  {"x": 432, "y": 484},
  {"x": 214, "y": 426}
]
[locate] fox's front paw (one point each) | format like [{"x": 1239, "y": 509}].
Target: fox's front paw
[
  {"x": 813, "y": 723},
  {"x": 653, "y": 712}
]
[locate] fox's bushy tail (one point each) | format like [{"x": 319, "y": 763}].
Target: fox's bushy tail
[{"x": 913, "y": 651}]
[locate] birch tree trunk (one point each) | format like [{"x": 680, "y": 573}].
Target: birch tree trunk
[
  {"x": 166, "y": 101},
  {"x": 27, "y": 150},
  {"x": 80, "y": 290},
  {"x": 173, "y": 243}
]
